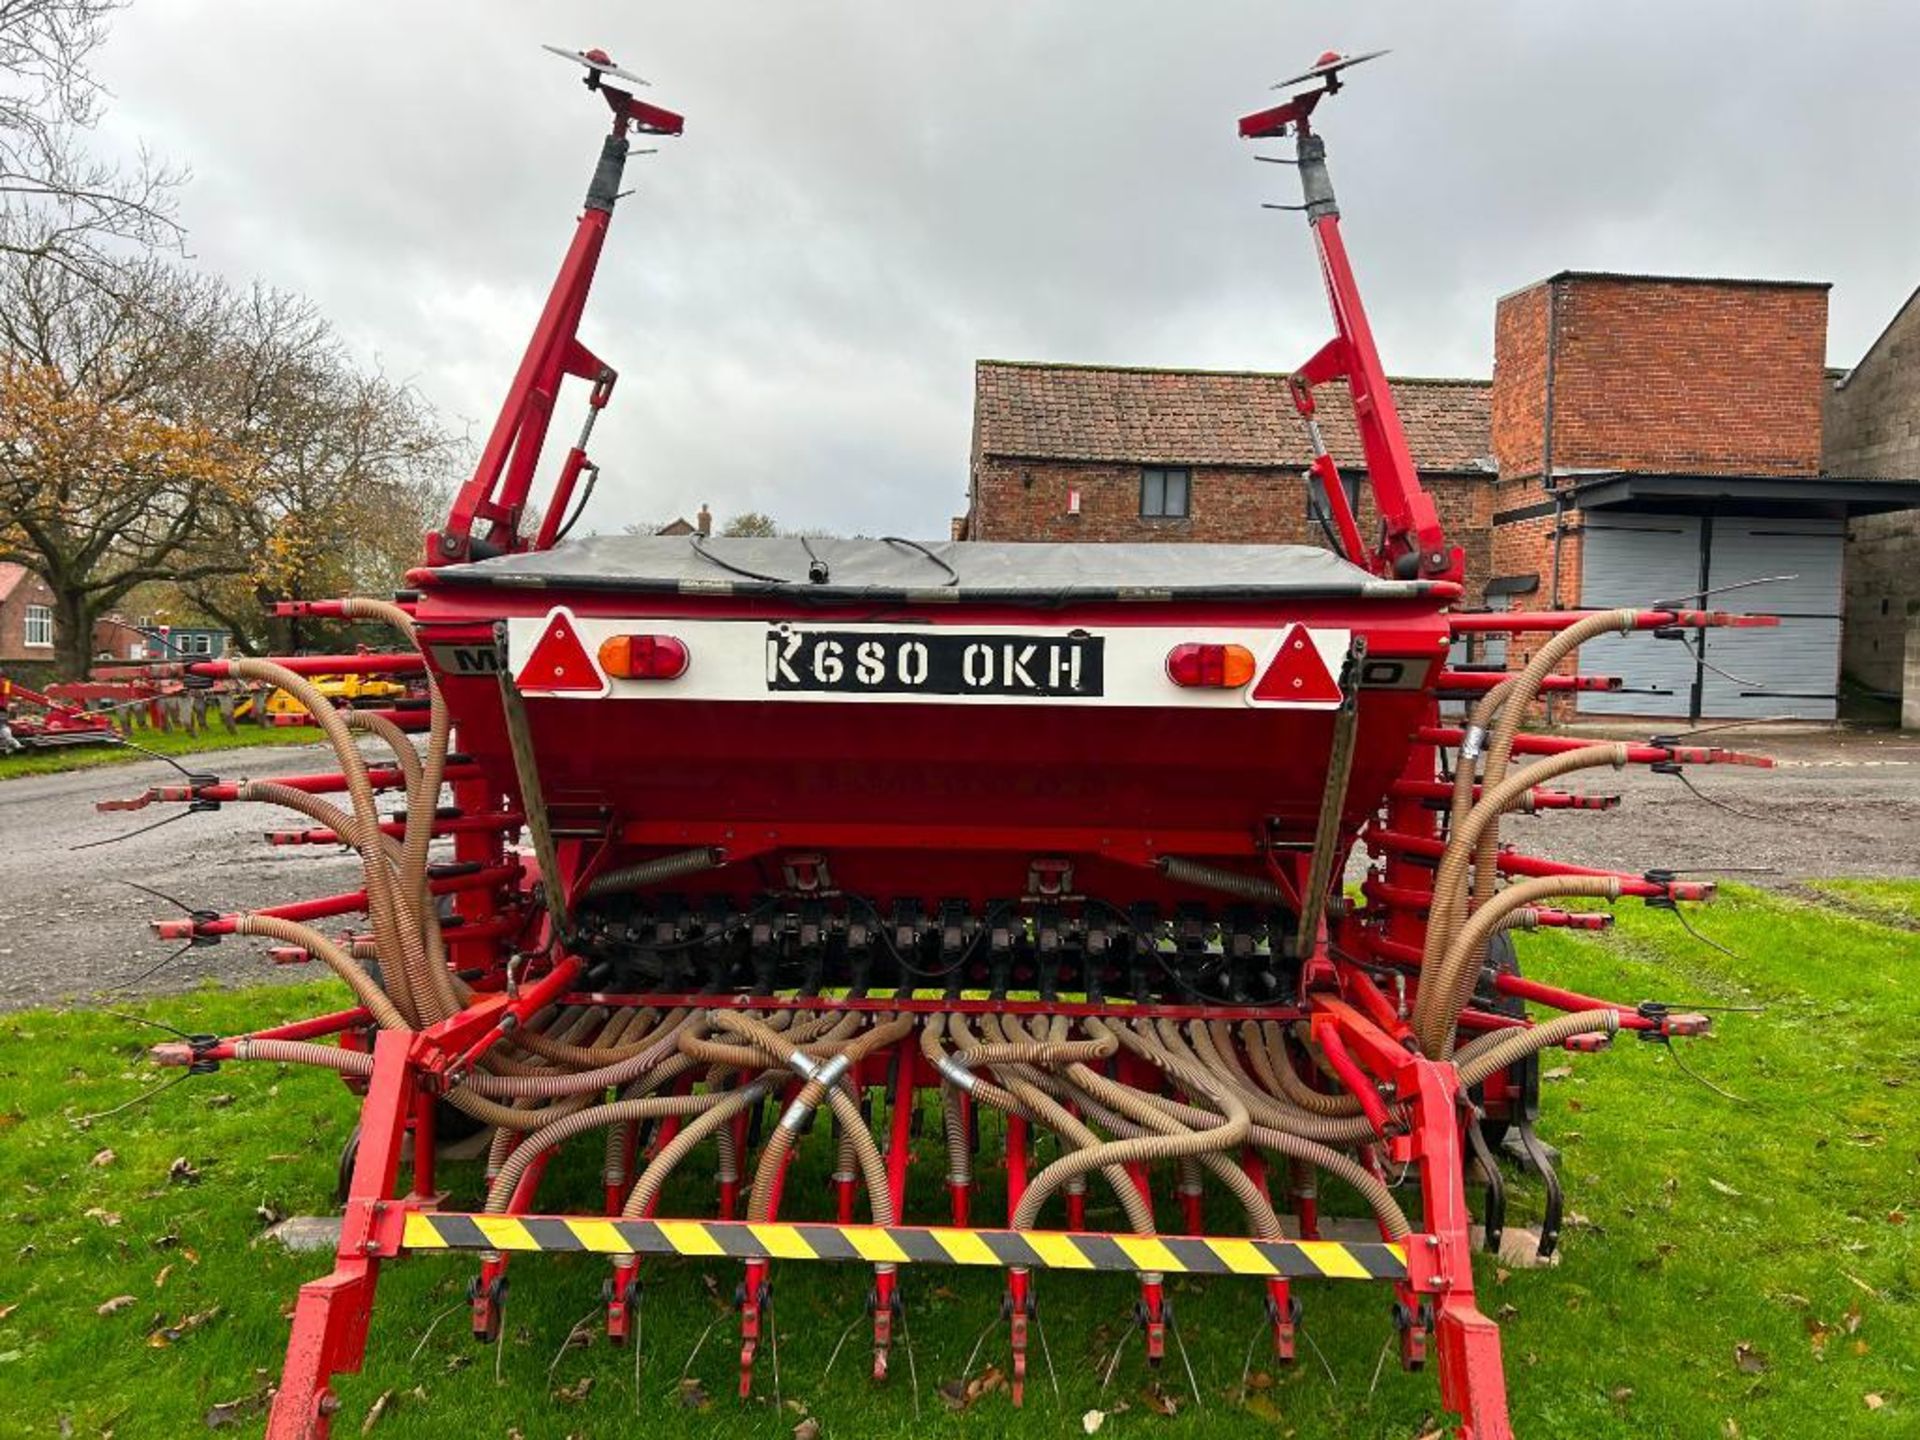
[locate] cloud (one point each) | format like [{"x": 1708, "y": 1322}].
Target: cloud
[{"x": 870, "y": 196}]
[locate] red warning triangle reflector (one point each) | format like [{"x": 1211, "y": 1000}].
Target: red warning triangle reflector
[
  {"x": 1297, "y": 675},
  {"x": 559, "y": 660}
]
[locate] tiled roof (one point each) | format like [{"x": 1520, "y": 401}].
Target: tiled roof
[
  {"x": 1039, "y": 411},
  {"x": 11, "y": 575}
]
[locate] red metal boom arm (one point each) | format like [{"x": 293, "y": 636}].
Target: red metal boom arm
[
  {"x": 1414, "y": 544},
  {"x": 486, "y": 515}
]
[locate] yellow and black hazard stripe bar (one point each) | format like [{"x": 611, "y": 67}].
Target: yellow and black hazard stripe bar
[{"x": 909, "y": 1245}]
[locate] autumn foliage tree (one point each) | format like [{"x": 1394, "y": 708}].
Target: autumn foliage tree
[
  {"x": 109, "y": 462},
  {"x": 176, "y": 432}
]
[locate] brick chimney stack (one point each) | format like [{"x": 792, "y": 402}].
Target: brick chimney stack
[{"x": 703, "y": 522}]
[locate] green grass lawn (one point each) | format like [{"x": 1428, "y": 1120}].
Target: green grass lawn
[
  {"x": 1738, "y": 1269},
  {"x": 163, "y": 742}
]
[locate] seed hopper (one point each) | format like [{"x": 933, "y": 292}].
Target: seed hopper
[{"x": 716, "y": 849}]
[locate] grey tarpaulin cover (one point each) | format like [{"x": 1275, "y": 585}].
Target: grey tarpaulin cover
[{"x": 944, "y": 570}]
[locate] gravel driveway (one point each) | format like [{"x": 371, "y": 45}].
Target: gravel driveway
[
  {"x": 1835, "y": 805},
  {"x": 69, "y": 925}
]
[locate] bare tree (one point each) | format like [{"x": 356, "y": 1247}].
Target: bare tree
[
  {"x": 57, "y": 199},
  {"x": 350, "y": 470}
]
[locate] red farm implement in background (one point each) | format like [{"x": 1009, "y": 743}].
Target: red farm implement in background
[
  {"x": 1051, "y": 838},
  {"x": 33, "y": 720}
]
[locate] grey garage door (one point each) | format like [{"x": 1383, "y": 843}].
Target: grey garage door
[
  {"x": 1793, "y": 670},
  {"x": 1632, "y": 560}
]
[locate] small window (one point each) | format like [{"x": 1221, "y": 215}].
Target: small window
[
  {"x": 1319, "y": 512},
  {"x": 1163, "y": 494},
  {"x": 40, "y": 626},
  {"x": 201, "y": 644}
]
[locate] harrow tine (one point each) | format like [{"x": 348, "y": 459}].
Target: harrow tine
[
  {"x": 694, "y": 1354},
  {"x": 433, "y": 1325},
  {"x": 1556, "y": 1199},
  {"x": 974, "y": 1353},
  {"x": 838, "y": 1345},
  {"x": 1493, "y": 1223},
  {"x": 773, "y": 1352},
  {"x": 1185, "y": 1359},
  {"x": 1246, "y": 1364},
  {"x": 913, "y": 1370},
  {"x": 1114, "y": 1363},
  {"x": 1046, "y": 1353},
  {"x": 1379, "y": 1366},
  {"x": 1332, "y": 1379},
  {"x": 566, "y": 1344}
]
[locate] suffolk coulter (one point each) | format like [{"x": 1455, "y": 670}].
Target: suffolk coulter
[{"x": 713, "y": 844}]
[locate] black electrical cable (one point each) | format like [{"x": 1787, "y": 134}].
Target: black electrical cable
[
  {"x": 1693, "y": 1074},
  {"x": 953, "y": 576},
  {"x": 179, "y": 905},
  {"x": 1715, "y": 801},
  {"x": 144, "y": 829},
  {"x": 919, "y": 971},
  {"x": 698, "y": 542},
  {"x": 1151, "y": 943},
  {"x": 82, "y": 1121},
  {"x": 580, "y": 506}
]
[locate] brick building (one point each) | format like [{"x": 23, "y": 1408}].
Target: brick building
[
  {"x": 26, "y": 617},
  {"x": 1085, "y": 452},
  {"x": 1873, "y": 429},
  {"x": 1643, "y": 438}
]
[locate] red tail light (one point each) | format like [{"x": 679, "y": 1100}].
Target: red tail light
[
  {"x": 643, "y": 657},
  {"x": 1210, "y": 667}
]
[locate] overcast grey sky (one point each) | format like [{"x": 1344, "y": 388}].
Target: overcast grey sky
[{"x": 872, "y": 195}]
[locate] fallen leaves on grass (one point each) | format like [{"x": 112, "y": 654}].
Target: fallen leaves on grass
[
  {"x": 113, "y": 1306},
  {"x": 375, "y": 1411},
  {"x": 1818, "y": 1333},
  {"x": 103, "y": 1159},
  {"x": 1160, "y": 1400},
  {"x": 1872, "y": 1401},
  {"x": 183, "y": 1172},
  {"x": 1749, "y": 1360},
  {"x": 228, "y": 1413},
  {"x": 1091, "y": 1422},
  {"x": 165, "y": 1335},
  {"x": 1723, "y": 1188},
  {"x": 807, "y": 1429},
  {"x": 692, "y": 1394},
  {"x": 106, "y": 1217},
  {"x": 961, "y": 1394},
  {"x": 573, "y": 1394},
  {"x": 6, "y": 1310}
]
